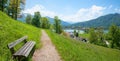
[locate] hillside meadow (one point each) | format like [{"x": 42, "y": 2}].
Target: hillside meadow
[
  {"x": 11, "y": 30},
  {"x": 73, "y": 50}
]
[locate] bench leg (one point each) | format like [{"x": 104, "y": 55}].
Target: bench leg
[{"x": 19, "y": 58}]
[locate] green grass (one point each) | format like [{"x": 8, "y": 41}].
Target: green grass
[
  {"x": 84, "y": 35},
  {"x": 72, "y": 50},
  {"x": 10, "y": 30}
]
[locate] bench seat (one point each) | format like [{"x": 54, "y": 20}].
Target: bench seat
[{"x": 25, "y": 49}]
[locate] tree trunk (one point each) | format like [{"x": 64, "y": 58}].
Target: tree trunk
[
  {"x": 2, "y": 8},
  {"x": 16, "y": 14},
  {"x": 16, "y": 10},
  {"x": 112, "y": 46}
]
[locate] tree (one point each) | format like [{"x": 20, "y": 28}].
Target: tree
[
  {"x": 97, "y": 37},
  {"x": 114, "y": 33},
  {"x": 57, "y": 25},
  {"x": 86, "y": 30},
  {"x": 75, "y": 32},
  {"x": 14, "y": 8},
  {"x": 100, "y": 35},
  {"x": 36, "y": 19},
  {"x": 3, "y": 4},
  {"x": 28, "y": 19},
  {"x": 11, "y": 7},
  {"x": 92, "y": 36},
  {"x": 45, "y": 23}
]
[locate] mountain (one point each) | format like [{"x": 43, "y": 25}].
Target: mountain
[
  {"x": 103, "y": 21},
  {"x": 63, "y": 23}
]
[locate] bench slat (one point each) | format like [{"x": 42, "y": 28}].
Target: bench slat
[
  {"x": 20, "y": 51},
  {"x": 25, "y": 50},
  {"x": 28, "y": 50},
  {"x": 11, "y": 45}
]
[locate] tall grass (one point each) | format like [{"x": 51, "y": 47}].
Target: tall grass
[
  {"x": 72, "y": 50},
  {"x": 10, "y": 30}
]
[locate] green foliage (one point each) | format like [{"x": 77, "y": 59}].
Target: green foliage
[
  {"x": 14, "y": 8},
  {"x": 86, "y": 30},
  {"x": 63, "y": 23},
  {"x": 45, "y": 23},
  {"x": 28, "y": 19},
  {"x": 97, "y": 37},
  {"x": 57, "y": 25},
  {"x": 11, "y": 30},
  {"x": 72, "y": 50},
  {"x": 36, "y": 19},
  {"x": 93, "y": 36},
  {"x": 11, "y": 7},
  {"x": 2, "y": 4},
  {"x": 75, "y": 32},
  {"x": 101, "y": 38},
  {"x": 114, "y": 33}
]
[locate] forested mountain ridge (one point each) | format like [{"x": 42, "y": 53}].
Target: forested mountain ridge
[{"x": 102, "y": 21}]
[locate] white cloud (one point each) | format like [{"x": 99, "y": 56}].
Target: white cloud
[
  {"x": 34, "y": 9},
  {"x": 117, "y": 10},
  {"x": 41, "y": 9},
  {"x": 82, "y": 14}
]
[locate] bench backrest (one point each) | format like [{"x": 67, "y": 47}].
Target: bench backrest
[{"x": 12, "y": 44}]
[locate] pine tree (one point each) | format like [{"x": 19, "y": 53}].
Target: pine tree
[{"x": 36, "y": 19}]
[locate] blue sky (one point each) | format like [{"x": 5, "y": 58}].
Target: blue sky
[{"x": 73, "y": 10}]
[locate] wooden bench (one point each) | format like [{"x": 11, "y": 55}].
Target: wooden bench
[{"x": 24, "y": 51}]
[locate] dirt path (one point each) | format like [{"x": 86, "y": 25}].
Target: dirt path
[{"x": 47, "y": 52}]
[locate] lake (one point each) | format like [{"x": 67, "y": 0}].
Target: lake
[
  {"x": 80, "y": 31},
  {"x": 72, "y": 30}
]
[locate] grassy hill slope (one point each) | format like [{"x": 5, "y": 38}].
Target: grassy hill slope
[
  {"x": 72, "y": 50},
  {"x": 10, "y": 30}
]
